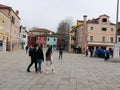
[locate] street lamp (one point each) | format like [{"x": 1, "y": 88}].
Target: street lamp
[
  {"x": 116, "y": 47},
  {"x": 117, "y": 21}
]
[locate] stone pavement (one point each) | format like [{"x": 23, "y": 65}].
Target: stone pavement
[{"x": 74, "y": 72}]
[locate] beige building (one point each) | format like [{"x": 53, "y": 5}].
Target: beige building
[
  {"x": 95, "y": 33},
  {"x": 14, "y": 26},
  {"x": 4, "y": 32}
]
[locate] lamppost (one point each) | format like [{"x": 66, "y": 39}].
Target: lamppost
[
  {"x": 117, "y": 21},
  {"x": 116, "y": 47}
]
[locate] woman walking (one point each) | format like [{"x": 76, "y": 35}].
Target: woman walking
[
  {"x": 40, "y": 58},
  {"x": 49, "y": 62}
]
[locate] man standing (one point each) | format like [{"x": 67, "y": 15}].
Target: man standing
[
  {"x": 33, "y": 55},
  {"x": 60, "y": 52}
]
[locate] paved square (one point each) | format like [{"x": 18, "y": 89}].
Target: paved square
[{"x": 74, "y": 72}]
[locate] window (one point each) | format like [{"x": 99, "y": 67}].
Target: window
[
  {"x": 91, "y": 38},
  {"x": 54, "y": 39},
  {"x": 13, "y": 20},
  {"x": 103, "y": 39},
  {"x": 111, "y": 39},
  {"x": 104, "y": 29},
  {"x": 91, "y": 28},
  {"x": 75, "y": 31},
  {"x": 112, "y": 29},
  {"x": 24, "y": 36},
  {"x": 44, "y": 38},
  {"x": 119, "y": 39},
  {"x": 54, "y": 46},
  {"x": 104, "y": 20}
]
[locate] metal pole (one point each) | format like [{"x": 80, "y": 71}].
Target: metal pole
[
  {"x": 117, "y": 21},
  {"x": 116, "y": 55}
]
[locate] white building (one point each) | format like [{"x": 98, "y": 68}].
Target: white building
[{"x": 23, "y": 37}]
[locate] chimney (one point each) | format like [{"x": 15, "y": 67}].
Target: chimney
[
  {"x": 85, "y": 18},
  {"x": 17, "y": 12}
]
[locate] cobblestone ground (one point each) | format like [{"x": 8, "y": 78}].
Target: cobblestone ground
[{"x": 74, "y": 72}]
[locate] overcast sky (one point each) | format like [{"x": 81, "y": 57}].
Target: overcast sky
[{"x": 48, "y": 13}]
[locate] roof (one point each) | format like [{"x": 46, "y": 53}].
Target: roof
[
  {"x": 104, "y": 15},
  {"x": 3, "y": 13},
  {"x": 9, "y": 8},
  {"x": 41, "y": 30},
  {"x": 96, "y": 20},
  {"x": 4, "y": 6}
]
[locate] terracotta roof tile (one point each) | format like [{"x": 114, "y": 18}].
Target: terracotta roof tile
[
  {"x": 41, "y": 30},
  {"x": 4, "y": 6}
]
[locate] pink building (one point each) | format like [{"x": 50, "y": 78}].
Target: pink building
[
  {"x": 38, "y": 36},
  {"x": 41, "y": 40},
  {"x": 95, "y": 33}
]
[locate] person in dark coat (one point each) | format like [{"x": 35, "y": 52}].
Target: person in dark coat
[
  {"x": 40, "y": 58},
  {"x": 86, "y": 52},
  {"x": 60, "y": 52},
  {"x": 91, "y": 52},
  {"x": 26, "y": 48},
  {"x": 33, "y": 55}
]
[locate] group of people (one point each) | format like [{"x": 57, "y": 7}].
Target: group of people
[
  {"x": 101, "y": 53},
  {"x": 37, "y": 57}
]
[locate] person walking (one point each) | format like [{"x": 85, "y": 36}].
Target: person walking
[
  {"x": 40, "y": 58},
  {"x": 33, "y": 55},
  {"x": 49, "y": 60},
  {"x": 26, "y": 48},
  {"x": 86, "y": 52},
  {"x": 91, "y": 52},
  {"x": 60, "y": 52}
]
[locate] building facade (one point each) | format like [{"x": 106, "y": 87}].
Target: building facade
[
  {"x": 14, "y": 26},
  {"x": 75, "y": 36},
  {"x": 51, "y": 40},
  {"x": 118, "y": 34},
  {"x": 23, "y": 37},
  {"x": 41, "y": 40},
  {"x": 38, "y": 36},
  {"x": 4, "y": 32},
  {"x": 96, "y": 33}
]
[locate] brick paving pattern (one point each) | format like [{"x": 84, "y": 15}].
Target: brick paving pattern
[{"x": 74, "y": 72}]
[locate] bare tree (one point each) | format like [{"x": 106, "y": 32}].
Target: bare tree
[{"x": 64, "y": 25}]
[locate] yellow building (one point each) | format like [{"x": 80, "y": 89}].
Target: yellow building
[
  {"x": 14, "y": 26},
  {"x": 4, "y": 32},
  {"x": 75, "y": 35}
]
